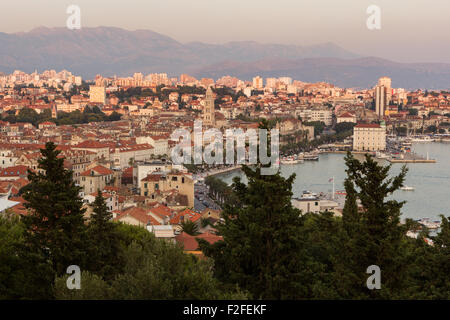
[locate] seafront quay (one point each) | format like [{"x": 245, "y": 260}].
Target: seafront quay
[
  {"x": 214, "y": 172},
  {"x": 403, "y": 158}
]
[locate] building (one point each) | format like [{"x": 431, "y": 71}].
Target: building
[
  {"x": 324, "y": 115},
  {"x": 382, "y": 95},
  {"x": 95, "y": 178},
  {"x": 314, "y": 205},
  {"x": 209, "y": 109},
  {"x": 369, "y": 137},
  {"x": 141, "y": 170},
  {"x": 346, "y": 117},
  {"x": 386, "y": 82},
  {"x": 258, "y": 82},
  {"x": 158, "y": 182},
  {"x": 97, "y": 94},
  {"x": 380, "y": 100}
]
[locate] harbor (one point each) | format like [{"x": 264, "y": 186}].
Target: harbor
[{"x": 431, "y": 182}]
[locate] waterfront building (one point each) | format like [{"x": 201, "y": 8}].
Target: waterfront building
[{"x": 369, "y": 137}]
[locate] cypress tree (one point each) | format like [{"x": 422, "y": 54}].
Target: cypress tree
[
  {"x": 55, "y": 225},
  {"x": 106, "y": 255},
  {"x": 261, "y": 233},
  {"x": 373, "y": 236}
]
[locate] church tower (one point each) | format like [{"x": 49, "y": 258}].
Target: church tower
[
  {"x": 209, "y": 109},
  {"x": 54, "y": 111}
]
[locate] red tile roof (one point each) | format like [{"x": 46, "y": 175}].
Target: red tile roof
[
  {"x": 101, "y": 170},
  {"x": 190, "y": 243},
  {"x": 139, "y": 214},
  {"x": 188, "y": 214},
  {"x": 14, "y": 171}
]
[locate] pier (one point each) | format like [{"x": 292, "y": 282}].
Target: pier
[{"x": 411, "y": 160}]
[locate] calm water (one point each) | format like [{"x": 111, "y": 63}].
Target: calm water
[{"x": 430, "y": 180}]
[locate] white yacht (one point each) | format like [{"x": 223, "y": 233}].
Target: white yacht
[
  {"x": 291, "y": 160},
  {"x": 407, "y": 188},
  {"x": 381, "y": 155},
  {"x": 422, "y": 139}
]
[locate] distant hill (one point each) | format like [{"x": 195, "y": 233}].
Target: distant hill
[{"x": 109, "y": 51}]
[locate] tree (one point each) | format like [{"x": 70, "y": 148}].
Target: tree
[
  {"x": 28, "y": 115},
  {"x": 319, "y": 126},
  {"x": 155, "y": 269},
  {"x": 261, "y": 239},
  {"x": 114, "y": 116},
  {"x": 344, "y": 126},
  {"x": 189, "y": 227},
  {"x": 372, "y": 234},
  {"x": 11, "y": 236},
  {"x": 260, "y": 251},
  {"x": 431, "y": 129},
  {"x": 55, "y": 223},
  {"x": 106, "y": 259}
]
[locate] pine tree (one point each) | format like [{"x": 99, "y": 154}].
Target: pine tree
[
  {"x": 262, "y": 240},
  {"x": 55, "y": 225},
  {"x": 105, "y": 258},
  {"x": 373, "y": 236}
]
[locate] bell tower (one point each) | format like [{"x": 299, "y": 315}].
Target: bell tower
[{"x": 209, "y": 109}]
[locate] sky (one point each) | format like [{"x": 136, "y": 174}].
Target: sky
[{"x": 411, "y": 30}]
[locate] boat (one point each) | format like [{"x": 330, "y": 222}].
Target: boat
[
  {"x": 422, "y": 139},
  {"x": 407, "y": 188},
  {"x": 430, "y": 224},
  {"x": 311, "y": 156},
  {"x": 290, "y": 160},
  {"x": 308, "y": 195},
  {"x": 381, "y": 155}
]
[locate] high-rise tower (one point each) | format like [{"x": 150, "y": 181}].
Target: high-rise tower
[{"x": 380, "y": 100}]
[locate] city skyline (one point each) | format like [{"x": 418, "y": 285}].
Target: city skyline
[{"x": 307, "y": 24}]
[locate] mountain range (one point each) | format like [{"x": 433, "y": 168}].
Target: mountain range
[{"x": 114, "y": 51}]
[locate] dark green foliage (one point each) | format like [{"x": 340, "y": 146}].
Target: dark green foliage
[
  {"x": 319, "y": 126},
  {"x": 371, "y": 235},
  {"x": 261, "y": 238},
  {"x": 89, "y": 114},
  {"x": 55, "y": 226},
  {"x": 344, "y": 126},
  {"x": 220, "y": 191},
  {"x": 105, "y": 258},
  {"x": 190, "y": 227},
  {"x": 155, "y": 269}
]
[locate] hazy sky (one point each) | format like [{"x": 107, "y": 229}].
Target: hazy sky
[{"x": 411, "y": 30}]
